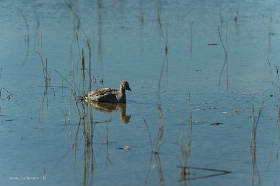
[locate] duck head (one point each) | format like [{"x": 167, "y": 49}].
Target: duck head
[{"x": 124, "y": 85}]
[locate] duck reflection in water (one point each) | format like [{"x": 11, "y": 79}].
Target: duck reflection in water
[{"x": 110, "y": 107}]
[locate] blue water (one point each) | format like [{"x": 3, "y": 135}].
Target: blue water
[{"x": 44, "y": 127}]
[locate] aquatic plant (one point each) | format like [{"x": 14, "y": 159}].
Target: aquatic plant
[
  {"x": 46, "y": 74},
  {"x": 255, "y": 121},
  {"x": 212, "y": 173},
  {"x": 151, "y": 157},
  {"x": 185, "y": 149},
  {"x": 161, "y": 122},
  {"x": 76, "y": 20},
  {"x": 236, "y": 16},
  {"x": 8, "y": 97},
  {"x": 191, "y": 41},
  {"x": 89, "y": 63},
  {"x": 27, "y": 34},
  {"x": 225, "y": 48},
  {"x": 165, "y": 39},
  {"x": 83, "y": 60},
  {"x": 269, "y": 33}
]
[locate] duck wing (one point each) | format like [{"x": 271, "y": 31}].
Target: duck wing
[
  {"x": 95, "y": 95},
  {"x": 102, "y": 91},
  {"x": 101, "y": 95}
]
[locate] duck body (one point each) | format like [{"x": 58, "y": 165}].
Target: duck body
[{"x": 109, "y": 95}]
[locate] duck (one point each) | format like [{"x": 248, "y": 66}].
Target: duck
[{"x": 108, "y": 95}]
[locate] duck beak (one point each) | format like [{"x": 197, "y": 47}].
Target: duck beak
[{"x": 128, "y": 89}]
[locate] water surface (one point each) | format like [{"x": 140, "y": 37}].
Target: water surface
[{"x": 199, "y": 73}]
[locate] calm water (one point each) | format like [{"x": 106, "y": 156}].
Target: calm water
[{"x": 189, "y": 64}]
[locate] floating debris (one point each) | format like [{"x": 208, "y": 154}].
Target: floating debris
[
  {"x": 212, "y": 44},
  {"x": 10, "y": 120},
  {"x": 236, "y": 111},
  {"x": 125, "y": 148},
  {"x": 216, "y": 123}
]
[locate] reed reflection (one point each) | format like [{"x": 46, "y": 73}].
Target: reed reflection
[
  {"x": 253, "y": 145},
  {"x": 185, "y": 149}
]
